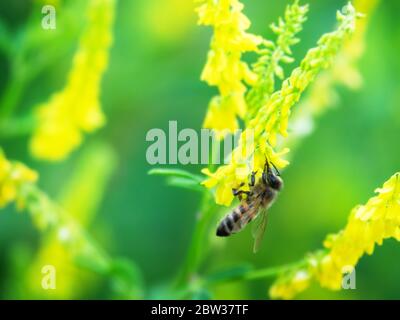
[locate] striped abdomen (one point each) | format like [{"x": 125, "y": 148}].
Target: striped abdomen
[{"x": 236, "y": 220}]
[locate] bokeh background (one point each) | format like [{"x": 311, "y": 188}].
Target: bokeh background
[{"x": 154, "y": 77}]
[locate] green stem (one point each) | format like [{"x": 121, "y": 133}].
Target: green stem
[
  {"x": 11, "y": 96},
  {"x": 198, "y": 242},
  {"x": 257, "y": 274},
  {"x": 272, "y": 272},
  {"x": 16, "y": 127}
]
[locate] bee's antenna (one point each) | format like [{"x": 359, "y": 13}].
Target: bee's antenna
[
  {"x": 277, "y": 171},
  {"x": 266, "y": 166}
]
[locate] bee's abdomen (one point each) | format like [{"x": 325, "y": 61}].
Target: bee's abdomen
[{"x": 231, "y": 223}]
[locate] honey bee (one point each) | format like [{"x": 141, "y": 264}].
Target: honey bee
[{"x": 254, "y": 205}]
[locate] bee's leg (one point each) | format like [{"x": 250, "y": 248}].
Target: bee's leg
[
  {"x": 265, "y": 177},
  {"x": 240, "y": 193},
  {"x": 253, "y": 179},
  {"x": 267, "y": 171},
  {"x": 237, "y": 192}
]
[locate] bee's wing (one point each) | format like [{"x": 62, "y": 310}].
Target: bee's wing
[
  {"x": 252, "y": 212},
  {"x": 258, "y": 228}
]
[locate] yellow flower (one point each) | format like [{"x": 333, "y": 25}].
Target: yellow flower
[
  {"x": 224, "y": 68},
  {"x": 328, "y": 274},
  {"x": 76, "y": 109},
  {"x": 12, "y": 176}
]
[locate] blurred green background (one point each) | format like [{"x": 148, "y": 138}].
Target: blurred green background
[{"x": 152, "y": 78}]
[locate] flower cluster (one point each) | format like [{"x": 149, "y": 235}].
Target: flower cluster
[
  {"x": 272, "y": 118},
  {"x": 368, "y": 225},
  {"x": 12, "y": 176},
  {"x": 271, "y": 56},
  {"x": 224, "y": 67},
  {"x": 62, "y": 120}
]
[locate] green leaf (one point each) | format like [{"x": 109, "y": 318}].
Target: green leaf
[
  {"x": 176, "y": 173},
  {"x": 185, "y": 183},
  {"x": 180, "y": 178}
]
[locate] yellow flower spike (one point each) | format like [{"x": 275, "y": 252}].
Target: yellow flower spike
[
  {"x": 268, "y": 67},
  {"x": 368, "y": 225},
  {"x": 63, "y": 120},
  {"x": 13, "y": 175},
  {"x": 224, "y": 67},
  {"x": 316, "y": 60}
]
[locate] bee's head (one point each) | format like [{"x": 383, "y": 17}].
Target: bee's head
[
  {"x": 272, "y": 180},
  {"x": 272, "y": 177},
  {"x": 275, "y": 182}
]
